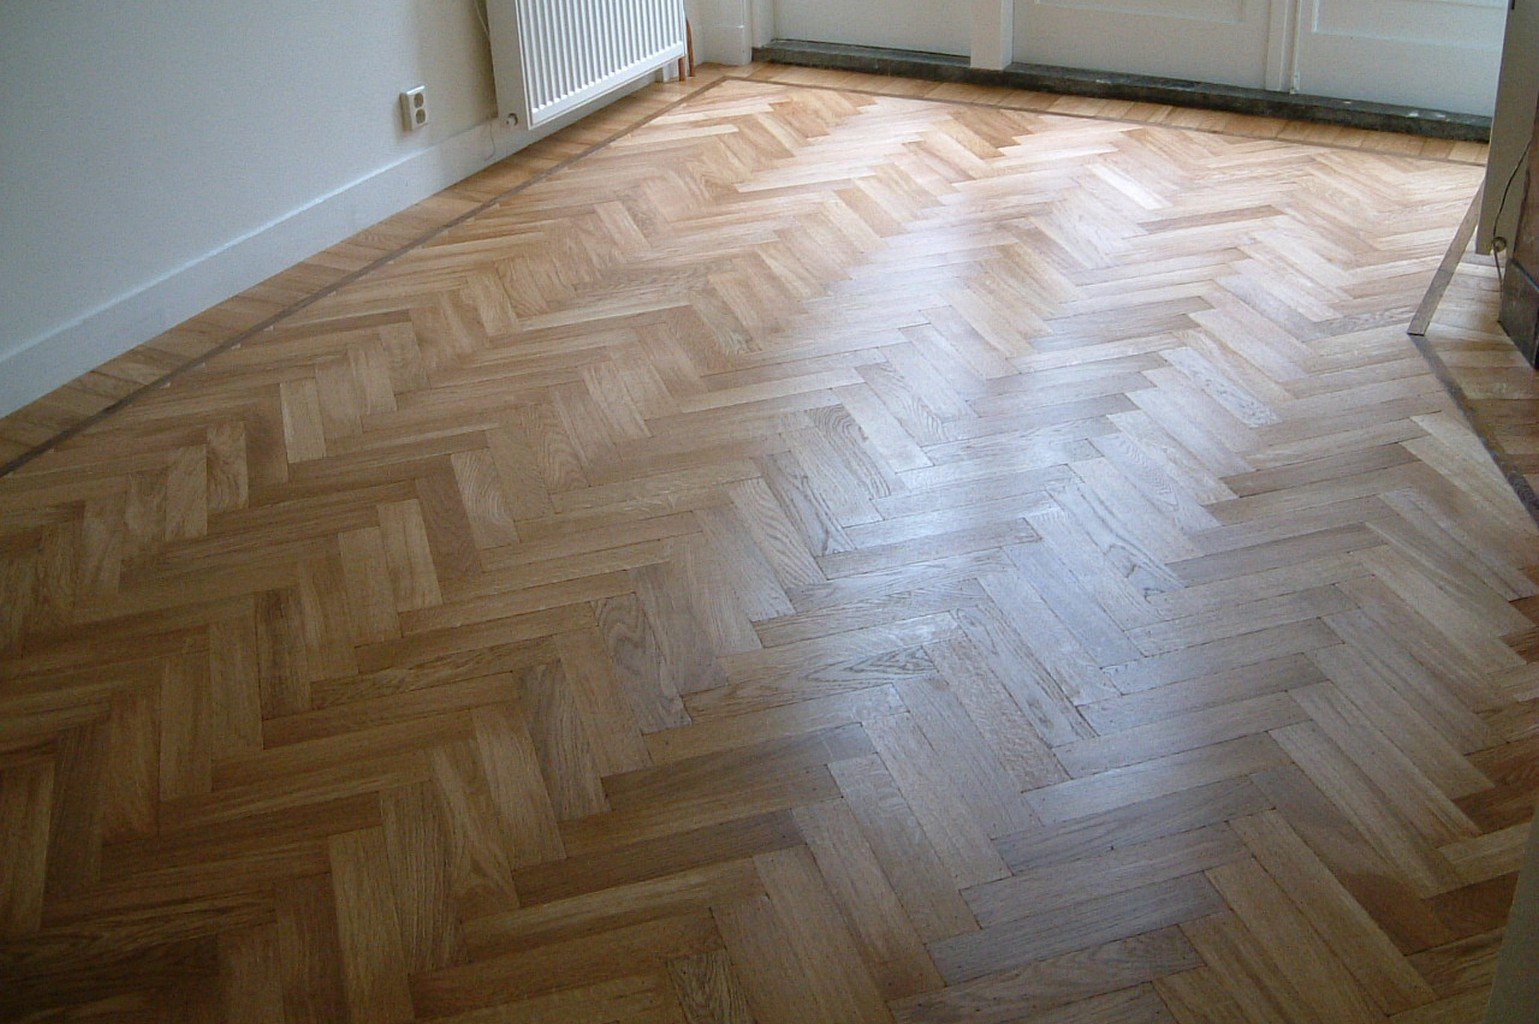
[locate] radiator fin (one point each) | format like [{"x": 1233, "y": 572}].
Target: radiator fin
[{"x": 550, "y": 56}]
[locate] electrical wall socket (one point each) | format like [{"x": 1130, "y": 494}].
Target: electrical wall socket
[{"x": 414, "y": 112}]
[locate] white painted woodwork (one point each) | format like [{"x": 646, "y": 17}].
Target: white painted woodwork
[
  {"x": 723, "y": 31},
  {"x": 1440, "y": 54},
  {"x": 993, "y": 33},
  {"x": 1443, "y": 54},
  {"x": 932, "y": 26},
  {"x": 1208, "y": 40}
]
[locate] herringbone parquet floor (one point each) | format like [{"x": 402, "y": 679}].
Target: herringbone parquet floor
[{"x": 822, "y": 557}]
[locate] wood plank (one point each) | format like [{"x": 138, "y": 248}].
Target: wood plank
[
  {"x": 1057, "y": 981},
  {"x": 1059, "y": 886},
  {"x": 26, "y": 797},
  {"x": 1341, "y": 921},
  {"x": 1098, "y": 921},
  {"x": 374, "y": 962}
]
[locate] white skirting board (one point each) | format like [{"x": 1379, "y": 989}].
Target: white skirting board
[{"x": 36, "y": 366}]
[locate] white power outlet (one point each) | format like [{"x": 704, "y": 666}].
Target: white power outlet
[{"x": 414, "y": 112}]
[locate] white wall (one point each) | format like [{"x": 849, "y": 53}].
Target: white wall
[{"x": 159, "y": 156}]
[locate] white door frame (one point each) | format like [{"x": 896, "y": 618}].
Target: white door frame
[
  {"x": 993, "y": 34},
  {"x": 1282, "y": 74}
]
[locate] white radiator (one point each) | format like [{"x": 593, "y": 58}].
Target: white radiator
[{"x": 549, "y": 56}]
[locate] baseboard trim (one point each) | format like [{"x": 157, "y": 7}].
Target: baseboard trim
[
  {"x": 941, "y": 67},
  {"x": 41, "y": 364}
]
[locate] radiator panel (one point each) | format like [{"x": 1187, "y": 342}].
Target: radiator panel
[{"x": 551, "y": 56}]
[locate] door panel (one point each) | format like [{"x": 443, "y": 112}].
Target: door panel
[
  {"x": 1207, "y": 40},
  {"x": 931, "y": 26},
  {"x": 1444, "y": 54}
]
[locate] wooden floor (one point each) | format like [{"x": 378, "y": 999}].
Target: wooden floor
[
  {"x": 823, "y": 556},
  {"x": 31, "y": 429}
]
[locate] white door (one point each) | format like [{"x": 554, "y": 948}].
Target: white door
[
  {"x": 1224, "y": 41},
  {"x": 929, "y": 26},
  {"x": 1440, "y": 54},
  {"x": 1443, "y": 54}
]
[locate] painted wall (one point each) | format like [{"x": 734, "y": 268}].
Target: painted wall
[
  {"x": 1515, "y": 99},
  {"x": 159, "y": 156}
]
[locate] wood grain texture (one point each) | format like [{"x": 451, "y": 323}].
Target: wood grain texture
[{"x": 845, "y": 550}]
